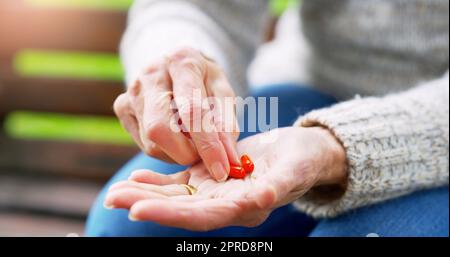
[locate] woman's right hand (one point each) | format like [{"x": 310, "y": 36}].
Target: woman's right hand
[{"x": 146, "y": 110}]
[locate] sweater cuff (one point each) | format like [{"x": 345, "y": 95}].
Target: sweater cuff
[
  {"x": 395, "y": 145},
  {"x": 361, "y": 126},
  {"x": 341, "y": 120}
]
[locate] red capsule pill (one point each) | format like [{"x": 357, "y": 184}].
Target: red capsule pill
[
  {"x": 237, "y": 172},
  {"x": 247, "y": 163}
]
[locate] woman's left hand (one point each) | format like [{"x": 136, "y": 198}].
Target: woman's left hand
[{"x": 288, "y": 162}]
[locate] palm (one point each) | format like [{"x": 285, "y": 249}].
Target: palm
[
  {"x": 247, "y": 202},
  {"x": 209, "y": 188}
]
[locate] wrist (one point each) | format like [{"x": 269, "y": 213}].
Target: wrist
[{"x": 334, "y": 169}]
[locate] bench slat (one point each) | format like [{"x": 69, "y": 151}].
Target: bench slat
[
  {"x": 97, "y": 162},
  {"x": 58, "y": 95},
  {"x": 22, "y": 26},
  {"x": 49, "y": 196},
  {"x": 13, "y": 224}
]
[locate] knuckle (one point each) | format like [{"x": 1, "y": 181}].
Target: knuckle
[
  {"x": 155, "y": 130},
  {"x": 161, "y": 80},
  {"x": 135, "y": 88},
  {"x": 120, "y": 104},
  {"x": 192, "y": 65},
  {"x": 182, "y": 53},
  {"x": 157, "y": 79},
  {"x": 188, "y": 59},
  {"x": 157, "y": 66}
]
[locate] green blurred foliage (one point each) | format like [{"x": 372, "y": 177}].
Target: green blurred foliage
[
  {"x": 119, "y": 5},
  {"x": 277, "y": 7},
  {"x": 76, "y": 65},
  {"x": 54, "y": 126}
]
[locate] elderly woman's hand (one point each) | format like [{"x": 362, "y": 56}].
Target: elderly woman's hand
[
  {"x": 147, "y": 112},
  {"x": 288, "y": 163}
]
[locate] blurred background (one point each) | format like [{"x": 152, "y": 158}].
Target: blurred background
[
  {"x": 59, "y": 76},
  {"x": 59, "y": 140}
]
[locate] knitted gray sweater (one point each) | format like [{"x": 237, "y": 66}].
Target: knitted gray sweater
[{"x": 390, "y": 54}]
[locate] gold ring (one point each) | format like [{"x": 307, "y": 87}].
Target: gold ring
[{"x": 191, "y": 189}]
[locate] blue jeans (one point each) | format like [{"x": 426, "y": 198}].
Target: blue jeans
[{"x": 424, "y": 213}]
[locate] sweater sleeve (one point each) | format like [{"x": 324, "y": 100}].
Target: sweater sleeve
[
  {"x": 226, "y": 31},
  {"x": 395, "y": 145}
]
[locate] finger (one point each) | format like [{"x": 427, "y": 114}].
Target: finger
[
  {"x": 200, "y": 215},
  {"x": 124, "y": 112},
  {"x": 151, "y": 177},
  {"x": 213, "y": 155},
  {"x": 126, "y": 115},
  {"x": 225, "y": 123},
  {"x": 167, "y": 190},
  {"x": 187, "y": 71},
  {"x": 158, "y": 121},
  {"x": 230, "y": 144},
  {"x": 224, "y": 110},
  {"x": 126, "y": 197}
]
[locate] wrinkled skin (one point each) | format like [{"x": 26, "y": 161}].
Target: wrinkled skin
[
  {"x": 288, "y": 163},
  {"x": 146, "y": 112}
]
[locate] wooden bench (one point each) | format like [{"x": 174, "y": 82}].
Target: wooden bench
[{"x": 51, "y": 183}]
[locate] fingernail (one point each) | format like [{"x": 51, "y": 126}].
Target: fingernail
[
  {"x": 132, "y": 218},
  {"x": 108, "y": 206},
  {"x": 219, "y": 172}
]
